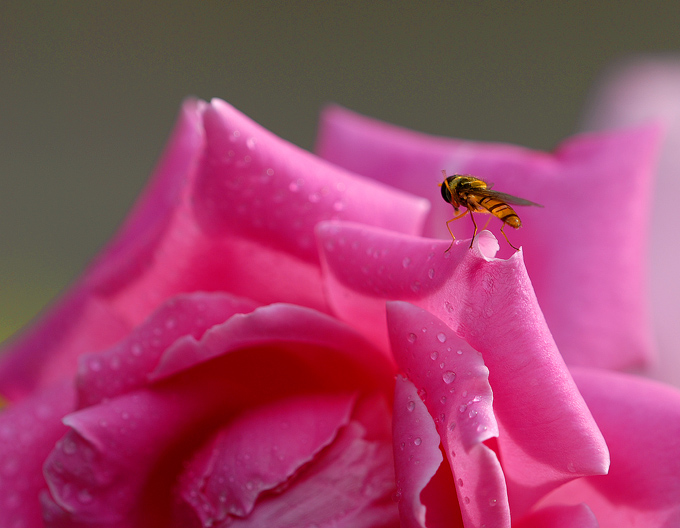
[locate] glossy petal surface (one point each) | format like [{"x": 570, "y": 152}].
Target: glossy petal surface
[
  {"x": 490, "y": 304},
  {"x": 587, "y": 240},
  {"x": 417, "y": 457},
  {"x": 128, "y": 364},
  {"x": 351, "y": 475},
  {"x": 452, "y": 381},
  {"x": 640, "y": 420},
  {"x": 129, "y": 445},
  {"x": 231, "y": 208}
]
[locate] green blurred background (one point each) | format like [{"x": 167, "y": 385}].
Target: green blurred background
[{"x": 89, "y": 92}]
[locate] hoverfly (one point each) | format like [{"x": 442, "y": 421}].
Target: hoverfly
[{"x": 476, "y": 196}]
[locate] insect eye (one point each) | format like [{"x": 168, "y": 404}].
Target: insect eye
[{"x": 446, "y": 194}]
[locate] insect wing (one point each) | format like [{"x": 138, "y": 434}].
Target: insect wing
[{"x": 507, "y": 198}]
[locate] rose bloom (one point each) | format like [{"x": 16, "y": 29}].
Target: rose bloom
[{"x": 274, "y": 339}]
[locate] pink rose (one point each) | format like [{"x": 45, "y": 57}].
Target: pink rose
[
  {"x": 633, "y": 92},
  {"x": 270, "y": 341}
]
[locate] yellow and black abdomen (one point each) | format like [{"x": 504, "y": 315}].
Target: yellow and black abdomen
[{"x": 500, "y": 210}]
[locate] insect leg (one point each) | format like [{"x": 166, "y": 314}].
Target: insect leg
[
  {"x": 475, "y": 232},
  {"x": 458, "y": 215},
  {"x": 507, "y": 239}
]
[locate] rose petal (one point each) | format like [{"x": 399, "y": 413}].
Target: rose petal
[
  {"x": 640, "y": 90},
  {"x": 128, "y": 447},
  {"x": 84, "y": 320},
  {"x": 245, "y": 460},
  {"x": 640, "y": 420},
  {"x": 283, "y": 325},
  {"x": 127, "y": 365},
  {"x": 417, "y": 457},
  {"x": 259, "y": 451},
  {"x": 187, "y": 234},
  {"x": 265, "y": 189},
  {"x": 586, "y": 242},
  {"x": 577, "y": 516},
  {"x": 28, "y": 431},
  {"x": 452, "y": 381},
  {"x": 490, "y": 304},
  {"x": 351, "y": 484}
]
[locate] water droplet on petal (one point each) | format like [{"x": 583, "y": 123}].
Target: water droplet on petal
[
  {"x": 492, "y": 502},
  {"x": 411, "y": 405},
  {"x": 406, "y": 262},
  {"x": 460, "y": 482},
  {"x": 441, "y": 336},
  {"x": 434, "y": 355},
  {"x": 412, "y": 338},
  {"x": 430, "y": 273},
  {"x": 417, "y": 441},
  {"x": 448, "y": 376}
]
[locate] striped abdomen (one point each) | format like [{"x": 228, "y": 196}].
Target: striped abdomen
[{"x": 500, "y": 210}]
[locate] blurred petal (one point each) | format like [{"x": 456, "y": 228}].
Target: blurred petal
[
  {"x": 28, "y": 431},
  {"x": 452, "y": 381},
  {"x": 577, "y": 516},
  {"x": 490, "y": 304},
  {"x": 586, "y": 249},
  {"x": 85, "y": 319},
  {"x": 636, "y": 91},
  {"x": 187, "y": 233},
  {"x": 640, "y": 420}
]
